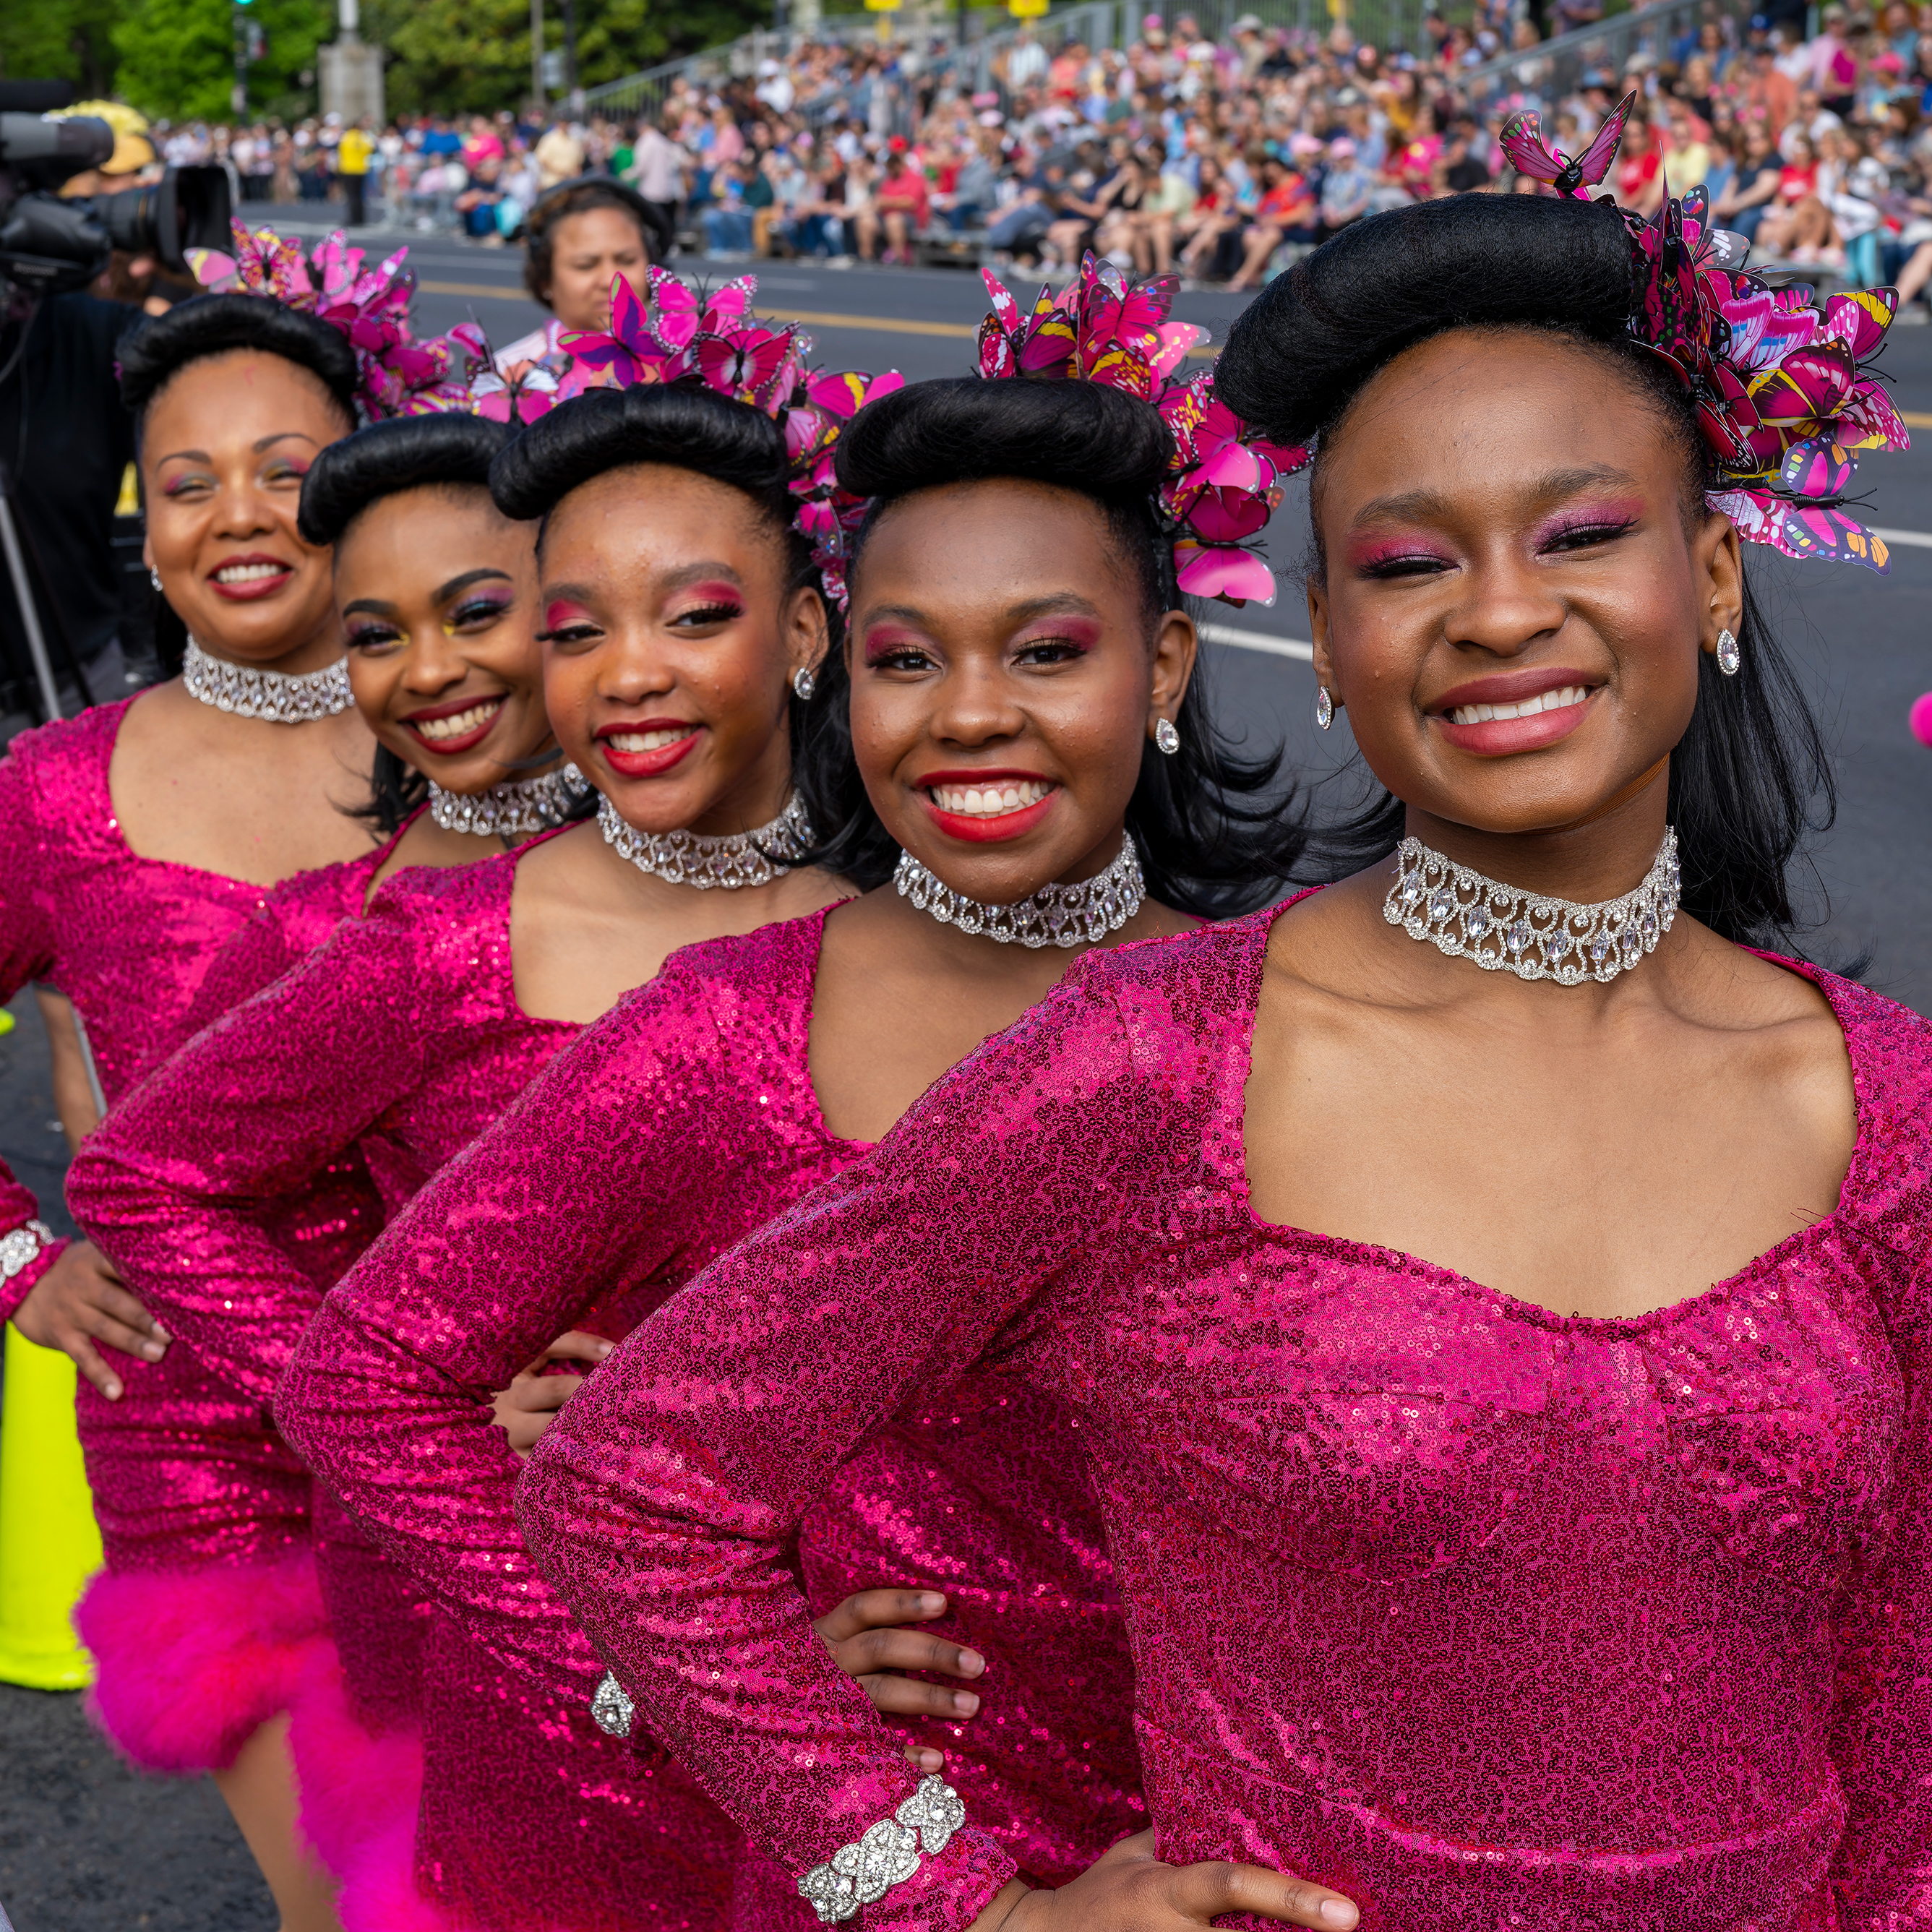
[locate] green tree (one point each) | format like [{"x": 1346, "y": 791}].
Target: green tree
[
  {"x": 60, "y": 39},
  {"x": 177, "y": 56}
]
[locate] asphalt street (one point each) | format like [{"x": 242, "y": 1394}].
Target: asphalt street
[{"x": 86, "y": 1846}]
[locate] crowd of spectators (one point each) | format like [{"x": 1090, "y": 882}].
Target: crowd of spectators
[{"x": 1217, "y": 159}]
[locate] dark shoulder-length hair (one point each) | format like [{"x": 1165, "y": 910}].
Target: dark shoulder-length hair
[
  {"x": 1217, "y": 833},
  {"x": 452, "y": 451},
  {"x": 1751, "y": 777}
]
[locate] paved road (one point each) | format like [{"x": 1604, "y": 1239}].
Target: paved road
[{"x": 85, "y": 1846}]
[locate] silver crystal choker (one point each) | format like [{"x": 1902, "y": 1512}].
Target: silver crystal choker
[
  {"x": 516, "y": 808},
  {"x": 739, "y": 858},
  {"x": 1054, "y": 916},
  {"x": 272, "y": 694},
  {"x": 1468, "y": 916}
]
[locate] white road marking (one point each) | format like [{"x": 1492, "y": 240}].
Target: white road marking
[{"x": 1260, "y": 641}]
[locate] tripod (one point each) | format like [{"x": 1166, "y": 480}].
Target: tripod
[{"x": 23, "y": 596}]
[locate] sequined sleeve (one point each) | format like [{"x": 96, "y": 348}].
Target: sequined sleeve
[
  {"x": 1882, "y": 1739},
  {"x": 28, "y": 863},
  {"x": 176, "y": 1184},
  {"x": 576, "y": 1197},
  {"x": 661, "y": 1502}
]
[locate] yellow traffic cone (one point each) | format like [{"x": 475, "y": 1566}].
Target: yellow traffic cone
[{"x": 49, "y": 1544}]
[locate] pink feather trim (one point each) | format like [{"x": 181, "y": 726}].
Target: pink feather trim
[
  {"x": 191, "y": 1664},
  {"x": 356, "y": 1788},
  {"x": 379, "y": 1891}
]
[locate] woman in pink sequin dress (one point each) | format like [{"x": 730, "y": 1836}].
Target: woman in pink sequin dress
[
  {"x": 139, "y": 836},
  {"x": 1006, "y": 713},
  {"x": 1506, "y": 1388},
  {"x": 678, "y": 607}
]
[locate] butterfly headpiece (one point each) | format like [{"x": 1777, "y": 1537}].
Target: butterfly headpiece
[
  {"x": 1224, "y": 482},
  {"x": 370, "y": 306},
  {"x": 1783, "y": 397}
]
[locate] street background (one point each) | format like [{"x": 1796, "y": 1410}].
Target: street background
[{"x": 86, "y": 1846}]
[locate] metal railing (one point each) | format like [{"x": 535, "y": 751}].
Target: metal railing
[{"x": 1544, "y": 74}]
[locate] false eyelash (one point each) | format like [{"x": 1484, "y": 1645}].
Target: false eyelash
[
  {"x": 478, "y": 607},
  {"x": 710, "y": 613},
  {"x": 1586, "y": 527}
]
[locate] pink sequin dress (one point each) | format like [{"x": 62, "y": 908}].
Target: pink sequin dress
[
  {"x": 206, "y": 1616},
  {"x": 401, "y": 1038},
  {"x": 683, "y": 1119},
  {"x": 1486, "y": 1616}
]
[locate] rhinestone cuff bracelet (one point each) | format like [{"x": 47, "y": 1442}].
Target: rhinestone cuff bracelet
[
  {"x": 272, "y": 694},
  {"x": 1468, "y": 916},
  {"x": 516, "y": 808},
  {"x": 1054, "y": 916},
  {"x": 888, "y": 1855},
  {"x": 20, "y": 1247},
  {"x": 611, "y": 1709},
  {"x": 741, "y": 859}
]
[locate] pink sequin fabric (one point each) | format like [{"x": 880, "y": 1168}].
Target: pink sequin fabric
[
  {"x": 1486, "y": 1617},
  {"x": 681, "y": 1121}
]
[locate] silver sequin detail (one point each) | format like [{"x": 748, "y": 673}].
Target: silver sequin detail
[
  {"x": 1468, "y": 916},
  {"x": 888, "y": 1855},
  {"x": 739, "y": 858},
  {"x": 516, "y": 808},
  {"x": 272, "y": 694},
  {"x": 22, "y": 1246},
  {"x": 611, "y": 1708},
  {"x": 1054, "y": 916}
]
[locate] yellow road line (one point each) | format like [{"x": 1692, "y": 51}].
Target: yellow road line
[
  {"x": 1915, "y": 421},
  {"x": 880, "y": 325}
]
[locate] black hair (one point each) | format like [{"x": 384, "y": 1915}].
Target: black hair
[
  {"x": 558, "y": 205},
  {"x": 1751, "y": 776},
  {"x": 152, "y": 353},
  {"x": 690, "y": 427},
  {"x": 1214, "y": 834},
  {"x": 449, "y": 450}
]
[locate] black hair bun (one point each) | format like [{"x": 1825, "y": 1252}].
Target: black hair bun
[
  {"x": 405, "y": 453},
  {"x": 1309, "y": 341},
  {"x": 964, "y": 429},
  {"x": 160, "y": 347},
  {"x": 682, "y": 424}
]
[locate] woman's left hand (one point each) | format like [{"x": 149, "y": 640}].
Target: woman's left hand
[{"x": 528, "y": 1406}]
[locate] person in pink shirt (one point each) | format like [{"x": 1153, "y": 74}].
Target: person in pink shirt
[{"x": 1490, "y": 1292}]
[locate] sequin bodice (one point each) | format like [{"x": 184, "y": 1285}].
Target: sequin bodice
[
  {"x": 130, "y": 941},
  {"x": 1485, "y": 1616},
  {"x": 682, "y": 1119},
  {"x": 399, "y": 1037}
]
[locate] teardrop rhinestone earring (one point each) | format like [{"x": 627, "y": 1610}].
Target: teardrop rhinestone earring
[
  {"x": 154, "y": 577},
  {"x": 1728, "y": 656},
  {"x": 1324, "y": 708},
  {"x": 1167, "y": 737},
  {"x": 803, "y": 682}
]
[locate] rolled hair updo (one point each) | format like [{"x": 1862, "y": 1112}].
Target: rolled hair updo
[
  {"x": 1214, "y": 838},
  {"x": 1751, "y": 776},
  {"x": 688, "y": 426},
  {"x": 452, "y": 451},
  {"x": 156, "y": 351}
]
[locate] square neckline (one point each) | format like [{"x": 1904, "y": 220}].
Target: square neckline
[{"x": 1234, "y": 1107}]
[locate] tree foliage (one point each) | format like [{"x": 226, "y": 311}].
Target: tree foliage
[
  {"x": 177, "y": 56},
  {"x": 60, "y": 39}
]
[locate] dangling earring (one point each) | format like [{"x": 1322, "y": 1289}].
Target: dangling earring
[
  {"x": 1324, "y": 708},
  {"x": 803, "y": 682},
  {"x": 154, "y": 577},
  {"x": 1167, "y": 737},
  {"x": 1728, "y": 656}
]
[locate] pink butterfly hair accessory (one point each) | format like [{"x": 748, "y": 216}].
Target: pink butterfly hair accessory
[
  {"x": 370, "y": 306},
  {"x": 828, "y": 514},
  {"x": 460, "y": 371},
  {"x": 1785, "y": 397},
  {"x": 1225, "y": 481}
]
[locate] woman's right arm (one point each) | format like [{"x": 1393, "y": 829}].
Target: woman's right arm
[{"x": 662, "y": 1502}]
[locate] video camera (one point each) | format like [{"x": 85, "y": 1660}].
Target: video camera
[{"x": 49, "y": 244}]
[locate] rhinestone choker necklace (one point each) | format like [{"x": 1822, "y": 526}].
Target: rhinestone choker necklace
[
  {"x": 740, "y": 859},
  {"x": 1054, "y": 916},
  {"x": 272, "y": 694},
  {"x": 1470, "y": 917},
  {"x": 516, "y": 808}
]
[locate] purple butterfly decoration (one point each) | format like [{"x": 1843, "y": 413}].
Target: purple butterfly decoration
[{"x": 1522, "y": 142}]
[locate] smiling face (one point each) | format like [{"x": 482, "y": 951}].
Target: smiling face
[
  {"x": 1512, "y": 605},
  {"x": 224, "y": 448},
  {"x": 439, "y": 600},
  {"x": 670, "y": 640},
  {"x": 587, "y": 251},
  {"x": 1004, "y": 683}
]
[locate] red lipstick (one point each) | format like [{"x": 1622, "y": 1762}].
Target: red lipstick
[
  {"x": 250, "y": 590},
  {"x": 1502, "y": 737},
  {"x": 973, "y": 830},
  {"x": 455, "y": 708},
  {"x": 647, "y": 764}
]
